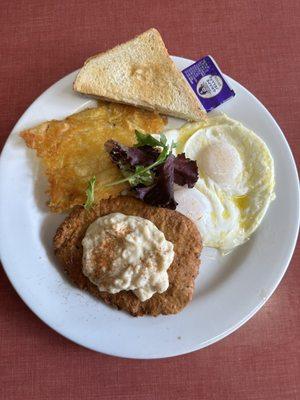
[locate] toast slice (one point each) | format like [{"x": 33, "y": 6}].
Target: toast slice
[{"x": 140, "y": 73}]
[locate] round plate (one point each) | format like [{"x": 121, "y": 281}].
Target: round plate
[{"x": 229, "y": 289}]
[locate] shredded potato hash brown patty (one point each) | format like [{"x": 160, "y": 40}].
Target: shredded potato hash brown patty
[{"x": 72, "y": 150}]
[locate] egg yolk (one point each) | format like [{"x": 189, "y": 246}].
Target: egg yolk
[{"x": 221, "y": 162}]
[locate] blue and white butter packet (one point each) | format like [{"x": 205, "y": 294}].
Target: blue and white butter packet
[{"x": 208, "y": 83}]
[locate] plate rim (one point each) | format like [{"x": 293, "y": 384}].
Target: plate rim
[{"x": 190, "y": 349}]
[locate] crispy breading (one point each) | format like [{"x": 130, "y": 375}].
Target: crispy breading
[
  {"x": 72, "y": 150},
  {"x": 178, "y": 229}
]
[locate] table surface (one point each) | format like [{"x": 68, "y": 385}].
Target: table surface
[{"x": 255, "y": 42}]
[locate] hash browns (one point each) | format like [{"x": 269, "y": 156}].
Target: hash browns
[
  {"x": 72, "y": 150},
  {"x": 178, "y": 229}
]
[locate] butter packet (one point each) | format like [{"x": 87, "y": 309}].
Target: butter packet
[{"x": 208, "y": 83}]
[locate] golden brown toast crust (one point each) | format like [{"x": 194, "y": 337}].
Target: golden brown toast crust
[{"x": 140, "y": 72}]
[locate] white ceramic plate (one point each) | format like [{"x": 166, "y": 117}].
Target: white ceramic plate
[{"x": 229, "y": 290}]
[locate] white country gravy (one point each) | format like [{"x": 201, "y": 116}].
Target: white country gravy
[{"x": 122, "y": 252}]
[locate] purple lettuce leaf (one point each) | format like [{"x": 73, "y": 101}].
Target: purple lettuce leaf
[
  {"x": 185, "y": 171},
  {"x": 161, "y": 193},
  {"x": 125, "y": 157}
]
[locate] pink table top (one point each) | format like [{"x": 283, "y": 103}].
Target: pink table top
[{"x": 255, "y": 42}]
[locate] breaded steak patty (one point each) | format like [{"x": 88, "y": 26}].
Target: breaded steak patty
[{"x": 177, "y": 228}]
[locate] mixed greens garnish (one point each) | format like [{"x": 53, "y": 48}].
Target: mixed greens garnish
[{"x": 151, "y": 169}]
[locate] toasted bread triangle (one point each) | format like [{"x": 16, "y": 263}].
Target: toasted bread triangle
[{"x": 141, "y": 73}]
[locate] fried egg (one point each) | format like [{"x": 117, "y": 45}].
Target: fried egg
[{"x": 236, "y": 180}]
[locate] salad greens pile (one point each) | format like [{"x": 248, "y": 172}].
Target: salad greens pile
[{"x": 151, "y": 169}]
